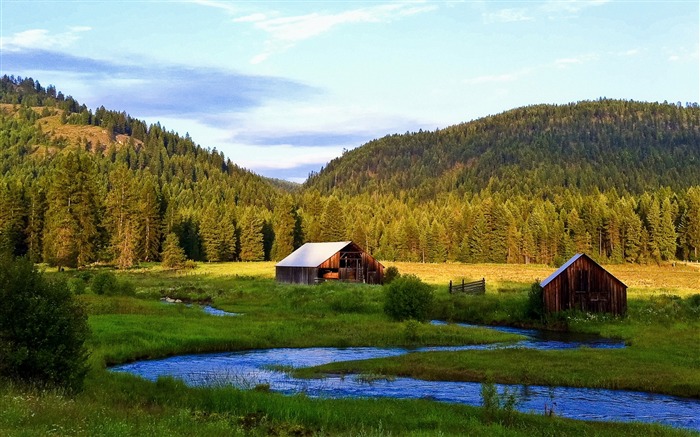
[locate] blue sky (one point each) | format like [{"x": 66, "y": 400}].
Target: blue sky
[{"x": 283, "y": 87}]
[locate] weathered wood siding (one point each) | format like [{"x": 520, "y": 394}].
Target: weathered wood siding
[
  {"x": 586, "y": 286},
  {"x": 296, "y": 275}
]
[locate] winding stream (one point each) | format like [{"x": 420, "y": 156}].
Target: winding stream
[{"x": 246, "y": 369}]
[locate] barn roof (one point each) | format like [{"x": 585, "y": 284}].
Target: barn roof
[
  {"x": 566, "y": 265},
  {"x": 312, "y": 254}
]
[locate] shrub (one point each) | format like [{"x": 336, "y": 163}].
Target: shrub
[
  {"x": 407, "y": 297},
  {"x": 106, "y": 283},
  {"x": 76, "y": 286},
  {"x": 390, "y": 274},
  {"x": 42, "y": 329},
  {"x": 535, "y": 302}
]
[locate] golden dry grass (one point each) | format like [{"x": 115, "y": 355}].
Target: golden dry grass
[{"x": 682, "y": 279}]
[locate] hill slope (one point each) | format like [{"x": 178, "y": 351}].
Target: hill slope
[{"x": 630, "y": 146}]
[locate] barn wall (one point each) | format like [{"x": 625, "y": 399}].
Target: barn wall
[
  {"x": 586, "y": 286},
  {"x": 372, "y": 272},
  {"x": 296, "y": 275}
]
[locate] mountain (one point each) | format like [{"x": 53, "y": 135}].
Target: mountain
[
  {"x": 78, "y": 187},
  {"x": 628, "y": 146},
  {"x": 617, "y": 180}
]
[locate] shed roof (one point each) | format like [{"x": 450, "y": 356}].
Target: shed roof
[
  {"x": 566, "y": 265},
  {"x": 312, "y": 254}
]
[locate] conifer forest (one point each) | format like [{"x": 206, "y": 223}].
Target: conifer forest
[{"x": 618, "y": 180}]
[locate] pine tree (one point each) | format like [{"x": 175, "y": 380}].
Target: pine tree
[
  {"x": 251, "y": 238},
  {"x": 692, "y": 222},
  {"x": 72, "y": 218},
  {"x": 283, "y": 225},
  {"x": 667, "y": 231},
  {"x": 12, "y": 216},
  {"x": 332, "y": 221},
  {"x": 149, "y": 222},
  {"x": 123, "y": 217},
  {"x": 173, "y": 255}
]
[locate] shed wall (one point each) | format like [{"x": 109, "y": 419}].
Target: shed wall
[
  {"x": 296, "y": 275},
  {"x": 586, "y": 286}
]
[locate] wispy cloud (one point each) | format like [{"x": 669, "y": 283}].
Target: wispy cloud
[
  {"x": 570, "y": 6},
  {"x": 683, "y": 55},
  {"x": 552, "y": 9},
  {"x": 284, "y": 32},
  {"x": 42, "y": 39},
  {"x": 507, "y": 16},
  {"x": 147, "y": 90},
  {"x": 566, "y": 62},
  {"x": 225, "y": 6},
  {"x": 630, "y": 52}
]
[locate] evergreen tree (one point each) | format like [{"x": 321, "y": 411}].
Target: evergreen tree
[
  {"x": 283, "y": 225},
  {"x": 332, "y": 221},
  {"x": 251, "y": 238},
  {"x": 173, "y": 255},
  {"x": 149, "y": 224},
  {"x": 123, "y": 219},
  {"x": 667, "y": 232},
  {"x": 73, "y": 213}
]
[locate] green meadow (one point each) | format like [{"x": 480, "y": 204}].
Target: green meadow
[{"x": 661, "y": 330}]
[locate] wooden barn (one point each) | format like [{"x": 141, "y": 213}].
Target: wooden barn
[
  {"x": 583, "y": 284},
  {"x": 318, "y": 262}
]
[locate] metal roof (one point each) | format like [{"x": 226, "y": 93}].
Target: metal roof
[
  {"x": 560, "y": 269},
  {"x": 312, "y": 254}
]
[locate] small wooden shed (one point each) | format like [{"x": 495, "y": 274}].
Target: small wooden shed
[
  {"x": 583, "y": 284},
  {"x": 318, "y": 262}
]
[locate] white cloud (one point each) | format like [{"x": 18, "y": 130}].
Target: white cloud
[
  {"x": 216, "y": 4},
  {"x": 571, "y": 6},
  {"x": 683, "y": 55},
  {"x": 42, "y": 39},
  {"x": 630, "y": 52},
  {"x": 566, "y": 62},
  {"x": 286, "y": 31},
  {"x": 507, "y": 16}
]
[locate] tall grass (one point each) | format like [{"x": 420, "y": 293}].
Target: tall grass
[{"x": 661, "y": 332}]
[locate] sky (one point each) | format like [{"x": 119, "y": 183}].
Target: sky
[{"x": 283, "y": 87}]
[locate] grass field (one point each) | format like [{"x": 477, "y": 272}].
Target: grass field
[
  {"x": 661, "y": 332},
  {"x": 682, "y": 279}
]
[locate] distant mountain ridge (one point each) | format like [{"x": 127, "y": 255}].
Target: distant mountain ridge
[{"x": 586, "y": 146}]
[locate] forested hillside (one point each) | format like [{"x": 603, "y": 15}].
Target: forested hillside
[
  {"x": 538, "y": 150},
  {"x": 78, "y": 187},
  {"x": 617, "y": 180}
]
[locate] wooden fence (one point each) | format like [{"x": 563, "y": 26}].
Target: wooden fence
[{"x": 476, "y": 287}]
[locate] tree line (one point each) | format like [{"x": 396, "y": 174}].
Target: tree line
[{"x": 73, "y": 202}]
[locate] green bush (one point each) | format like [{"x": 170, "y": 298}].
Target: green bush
[
  {"x": 390, "y": 274},
  {"x": 106, "y": 283},
  {"x": 42, "y": 329},
  {"x": 76, "y": 286},
  {"x": 535, "y": 302},
  {"x": 407, "y": 297}
]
